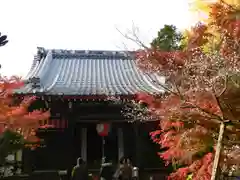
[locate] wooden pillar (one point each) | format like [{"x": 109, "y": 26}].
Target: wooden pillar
[
  {"x": 120, "y": 143},
  {"x": 138, "y": 145},
  {"x": 84, "y": 143}
]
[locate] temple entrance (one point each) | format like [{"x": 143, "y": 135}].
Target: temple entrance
[
  {"x": 111, "y": 145},
  {"x": 95, "y": 146}
]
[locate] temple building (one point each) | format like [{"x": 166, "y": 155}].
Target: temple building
[{"x": 75, "y": 86}]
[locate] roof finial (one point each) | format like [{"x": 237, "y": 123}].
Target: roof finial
[{"x": 41, "y": 52}]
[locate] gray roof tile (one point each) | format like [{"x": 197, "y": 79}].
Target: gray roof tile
[{"x": 90, "y": 73}]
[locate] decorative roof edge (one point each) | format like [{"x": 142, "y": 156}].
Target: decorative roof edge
[{"x": 61, "y": 53}]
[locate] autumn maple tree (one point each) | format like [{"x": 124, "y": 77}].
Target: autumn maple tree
[
  {"x": 17, "y": 124},
  {"x": 199, "y": 113}
]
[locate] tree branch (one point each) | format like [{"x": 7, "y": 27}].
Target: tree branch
[
  {"x": 225, "y": 86},
  {"x": 134, "y": 37},
  {"x": 230, "y": 142},
  {"x": 166, "y": 88},
  {"x": 218, "y": 152},
  {"x": 178, "y": 90},
  {"x": 217, "y": 118},
  {"x": 191, "y": 105}
]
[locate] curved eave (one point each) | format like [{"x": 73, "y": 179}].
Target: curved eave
[{"x": 76, "y": 97}]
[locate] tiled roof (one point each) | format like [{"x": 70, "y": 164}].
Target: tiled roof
[{"x": 88, "y": 73}]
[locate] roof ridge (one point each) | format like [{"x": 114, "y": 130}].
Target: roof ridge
[
  {"x": 87, "y": 53},
  {"x": 84, "y": 50},
  {"x": 91, "y": 52}
]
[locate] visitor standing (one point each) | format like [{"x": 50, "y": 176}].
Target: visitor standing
[
  {"x": 80, "y": 171},
  {"x": 124, "y": 170},
  {"x": 107, "y": 171}
]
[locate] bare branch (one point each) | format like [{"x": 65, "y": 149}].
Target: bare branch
[
  {"x": 124, "y": 45},
  {"x": 166, "y": 88},
  {"x": 178, "y": 90},
  {"x": 133, "y": 37}
]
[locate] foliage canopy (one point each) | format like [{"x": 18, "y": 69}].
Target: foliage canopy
[{"x": 202, "y": 91}]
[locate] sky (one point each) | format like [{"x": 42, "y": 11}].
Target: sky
[{"x": 80, "y": 25}]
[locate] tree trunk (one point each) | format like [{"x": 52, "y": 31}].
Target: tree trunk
[{"x": 218, "y": 152}]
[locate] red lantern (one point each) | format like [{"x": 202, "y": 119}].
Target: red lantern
[{"x": 103, "y": 129}]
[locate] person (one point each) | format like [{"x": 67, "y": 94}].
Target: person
[
  {"x": 106, "y": 172},
  {"x": 69, "y": 171},
  {"x": 124, "y": 171},
  {"x": 80, "y": 172}
]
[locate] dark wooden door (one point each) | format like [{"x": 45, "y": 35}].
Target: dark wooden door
[
  {"x": 111, "y": 145},
  {"x": 94, "y": 147}
]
